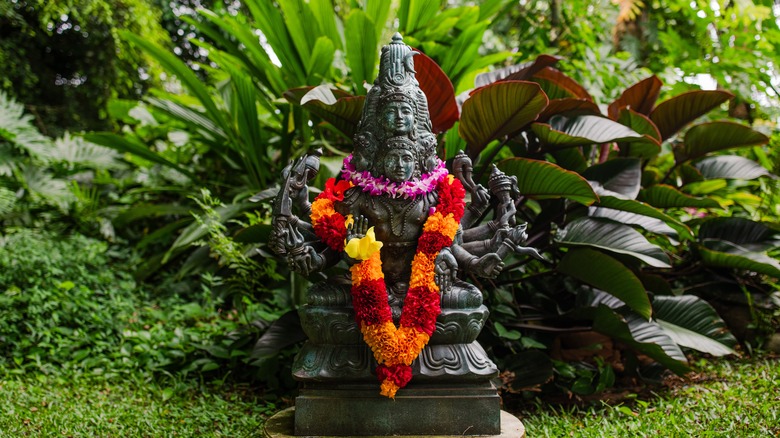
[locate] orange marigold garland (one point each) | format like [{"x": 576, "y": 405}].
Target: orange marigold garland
[{"x": 394, "y": 348}]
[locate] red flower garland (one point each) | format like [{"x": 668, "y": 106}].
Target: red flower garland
[{"x": 395, "y": 348}]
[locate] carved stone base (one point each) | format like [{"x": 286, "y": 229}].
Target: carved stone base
[
  {"x": 282, "y": 423},
  {"x": 419, "y": 409},
  {"x": 355, "y": 363}
]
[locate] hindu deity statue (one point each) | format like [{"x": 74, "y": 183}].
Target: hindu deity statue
[{"x": 400, "y": 222}]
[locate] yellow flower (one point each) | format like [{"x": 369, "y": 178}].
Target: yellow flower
[
  {"x": 362, "y": 249},
  {"x": 349, "y": 221}
]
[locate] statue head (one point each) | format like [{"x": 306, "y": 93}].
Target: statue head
[
  {"x": 401, "y": 160},
  {"x": 395, "y": 108}
]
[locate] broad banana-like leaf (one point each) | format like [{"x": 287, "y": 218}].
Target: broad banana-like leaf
[
  {"x": 604, "y": 272},
  {"x": 716, "y": 136},
  {"x": 752, "y": 235},
  {"x": 645, "y": 337},
  {"x": 620, "y": 175},
  {"x": 673, "y": 114},
  {"x": 642, "y": 125},
  {"x": 570, "y": 159},
  {"x": 541, "y": 179},
  {"x": 666, "y": 196},
  {"x": 559, "y": 86},
  {"x": 731, "y": 167},
  {"x": 361, "y": 48},
  {"x": 460, "y": 56},
  {"x": 498, "y": 110},
  {"x": 569, "y": 107},
  {"x": 639, "y": 98},
  {"x": 342, "y": 112},
  {"x": 644, "y": 215},
  {"x": 517, "y": 72},
  {"x": 691, "y": 322},
  {"x": 725, "y": 254},
  {"x": 439, "y": 91},
  {"x": 611, "y": 236},
  {"x": 562, "y": 131}
]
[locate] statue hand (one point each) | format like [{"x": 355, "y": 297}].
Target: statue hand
[
  {"x": 358, "y": 228},
  {"x": 445, "y": 270},
  {"x": 480, "y": 197},
  {"x": 307, "y": 262},
  {"x": 488, "y": 266}
]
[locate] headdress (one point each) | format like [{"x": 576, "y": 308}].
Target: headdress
[{"x": 396, "y": 82}]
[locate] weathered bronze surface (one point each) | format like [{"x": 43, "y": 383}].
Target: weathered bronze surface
[{"x": 452, "y": 374}]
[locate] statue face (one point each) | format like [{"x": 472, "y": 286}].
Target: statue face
[
  {"x": 397, "y": 118},
  {"x": 398, "y": 165}
]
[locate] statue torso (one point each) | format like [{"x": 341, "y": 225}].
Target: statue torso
[{"x": 397, "y": 222}]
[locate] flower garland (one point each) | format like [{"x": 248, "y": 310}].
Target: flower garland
[
  {"x": 394, "y": 348},
  {"x": 384, "y": 186}
]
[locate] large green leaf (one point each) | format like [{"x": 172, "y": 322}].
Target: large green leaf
[
  {"x": 361, "y": 48},
  {"x": 342, "y": 112},
  {"x": 673, "y": 114},
  {"x": 563, "y": 131},
  {"x": 646, "y": 337},
  {"x": 715, "y": 136},
  {"x": 750, "y": 234},
  {"x": 644, "y": 215},
  {"x": 642, "y": 125},
  {"x": 722, "y": 253},
  {"x": 693, "y": 323},
  {"x": 326, "y": 16},
  {"x": 464, "y": 50},
  {"x": 185, "y": 75},
  {"x": 133, "y": 147},
  {"x": 540, "y": 179},
  {"x": 268, "y": 18},
  {"x": 559, "y": 86},
  {"x": 622, "y": 175},
  {"x": 498, "y": 110},
  {"x": 666, "y": 196},
  {"x": 604, "y": 272},
  {"x": 569, "y": 107},
  {"x": 517, "y": 72},
  {"x": 321, "y": 59},
  {"x": 301, "y": 24},
  {"x": 639, "y": 97},
  {"x": 415, "y": 14},
  {"x": 439, "y": 91},
  {"x": 731, "y": 167},
  {"x": 377, "y": 11},
  {"x": 613, "y": 237},
  {"x": 196, "y": 121}
]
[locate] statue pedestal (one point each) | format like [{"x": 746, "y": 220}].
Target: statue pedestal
[
  {"x": 282, "y": 424},
  {"x": 451, "y": 409}
]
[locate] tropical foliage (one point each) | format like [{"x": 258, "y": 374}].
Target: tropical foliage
[{"x": 650, "y": 207}]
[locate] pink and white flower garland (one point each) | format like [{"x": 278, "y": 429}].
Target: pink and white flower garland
[{"x": 383, "y": 186}]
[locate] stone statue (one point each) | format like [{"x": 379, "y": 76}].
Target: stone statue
[{"x": 398, "y": 219}]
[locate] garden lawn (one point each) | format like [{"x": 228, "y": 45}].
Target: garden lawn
[
  {"x": 722, "y": 399},
  {"x": 84, "y": 408}
]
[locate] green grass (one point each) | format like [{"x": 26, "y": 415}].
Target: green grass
[
  {"x": 85, "y": 408},
  {"x": 724, "y": 399}
]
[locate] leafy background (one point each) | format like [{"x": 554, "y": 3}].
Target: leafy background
[{"x": 643, "y": 138}]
